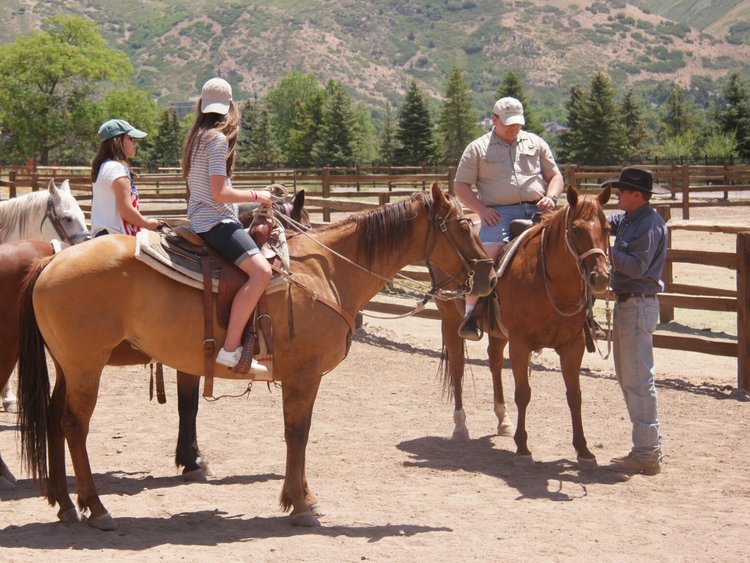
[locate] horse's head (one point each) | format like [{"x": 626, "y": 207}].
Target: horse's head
[
  {"x": 588, "y": 236},
  {"x": 65, "y": 215},
  {"x": 455, "y": 246}
]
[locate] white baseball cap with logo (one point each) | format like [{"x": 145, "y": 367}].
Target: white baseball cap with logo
[
  {"x": 509, "y": 111},
  {"x": 216, "y": 96}
]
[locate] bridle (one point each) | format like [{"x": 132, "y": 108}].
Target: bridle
[
  {"x": 578, "y": 258},
  {"x": 50, "y": 215},
  {"x": 437, "y": 290}
]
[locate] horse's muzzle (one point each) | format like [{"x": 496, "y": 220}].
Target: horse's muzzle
[{"x": 484, "y": 278}]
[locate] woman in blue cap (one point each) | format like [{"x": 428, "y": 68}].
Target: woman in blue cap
[{"x": 114, "y": 208}]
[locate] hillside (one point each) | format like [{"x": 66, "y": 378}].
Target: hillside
[{"x": 376, "y": 47}]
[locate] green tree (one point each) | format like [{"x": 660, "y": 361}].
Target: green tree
[
  {"x": 305, "y": 131},
  {"x": 457, "y": 119},
  {"x": 733, "y": 113},
  {"x": 387, "y": 137},
  {"x": 336, "y": 143},
  {"x": 677, "y": 119},
  {"x": 416, "y": 144},
  {"x": 572, "y": 141},
  {"x": 167, "y": 147},
  {"x": 282, "y": 103},
  {"x": 365, "y": 136},
  {"x": 512, "y": 86},
  {"x": 255, "y": 144},
  {"x": 49, "y": 82},
  {"x": 636, "y": 134},
  {"x": 603, "y": 134}
]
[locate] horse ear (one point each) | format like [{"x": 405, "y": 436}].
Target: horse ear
[
  {"x": 299, "y": 201},
  {"x": 572, "y": 195},
  {"x": 605, "y": 194},
  {"x": 438, "y": 196}
]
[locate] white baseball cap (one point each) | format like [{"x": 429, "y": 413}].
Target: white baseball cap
[
  {"x": 216, "y": 96},
  {"x": 510, "y": 111}
]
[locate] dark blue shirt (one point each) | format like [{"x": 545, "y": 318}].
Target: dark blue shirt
[{"x": 639, "y": 252}]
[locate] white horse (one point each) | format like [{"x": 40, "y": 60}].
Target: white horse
[{"x": 44, "y": 215}]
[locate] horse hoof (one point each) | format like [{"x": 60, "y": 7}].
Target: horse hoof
[
  {"x": 195, "y": 476},
  {"x": 523, "y": 460},
  {"x": 10, "y": 406},
  {"x": 304, "y": 520},
  {"x": 6, "y": 485},
  {"x": 461, "y": 435},
  {"x": 317, "y": 510},
  {"x": 505, "y": 430},
  {"x": 70, "y": 516},
  {"x": 105, "y": 522},
  {"x": 587, "y": 464}
]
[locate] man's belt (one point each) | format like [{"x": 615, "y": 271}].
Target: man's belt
[{"x": 622, "y": 297}]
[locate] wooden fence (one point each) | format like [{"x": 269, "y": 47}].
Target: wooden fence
[{"x": 335, "y": 190}]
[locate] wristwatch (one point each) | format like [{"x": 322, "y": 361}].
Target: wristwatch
[{"x": 553, "y": 198}]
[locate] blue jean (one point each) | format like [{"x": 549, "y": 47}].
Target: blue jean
[
  {"x": 500, "y": 233},
  {"x": 635, "y": 321}
]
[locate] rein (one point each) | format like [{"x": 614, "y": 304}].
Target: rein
[
  {"x": 50, "y": 215},
  {"x": 586, "y": 299}
]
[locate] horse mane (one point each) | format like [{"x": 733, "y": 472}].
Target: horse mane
[
  {"x": 586, "y": 207},
  {"x": 16, "y": 212}
]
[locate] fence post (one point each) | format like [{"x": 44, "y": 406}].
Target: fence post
[
  {"x": 666, "y": 313},
  {"x": 451, "y": 179},
  {"x": 12, "y": 181},
  {"x": 326, "y": 191},
  {"x": 685, "y": 191},
  {"x": 743, "y": 310}
]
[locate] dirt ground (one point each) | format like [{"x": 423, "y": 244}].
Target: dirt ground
[{"x": 392, "y": 484}]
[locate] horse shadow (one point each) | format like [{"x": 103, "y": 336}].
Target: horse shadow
[
  {"x": 202, "y": 528},
  {"x": 557, "y": 480}
]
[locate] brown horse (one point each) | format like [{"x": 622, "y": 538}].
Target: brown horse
[
  {"x": 335, "y": 271},
  {"x": 544, "y": 295},
  {"x": 17, "y": 259}
]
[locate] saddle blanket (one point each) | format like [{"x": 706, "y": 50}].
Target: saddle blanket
[{"x": 150, "y": 250}]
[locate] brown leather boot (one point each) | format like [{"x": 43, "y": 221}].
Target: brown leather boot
[{"x": 469, "y": 329}]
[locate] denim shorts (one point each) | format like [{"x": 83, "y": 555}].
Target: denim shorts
[
  {"x": 229, "y": 239},
  {"x": 500, "y": 233}
]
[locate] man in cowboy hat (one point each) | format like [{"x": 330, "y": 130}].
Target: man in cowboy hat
[{"x": 638, "y": 257}]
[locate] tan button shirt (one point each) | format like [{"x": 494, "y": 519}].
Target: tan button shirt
[{"x": 505, "y": 174}]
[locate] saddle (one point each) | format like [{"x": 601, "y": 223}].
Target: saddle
[{"x": 188, "y": 250}]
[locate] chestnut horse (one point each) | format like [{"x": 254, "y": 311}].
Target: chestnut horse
[
  {"x": 17, "y": 259},
  {"x": 545, "y": 296},
  {"x": 335, "y": 270}
]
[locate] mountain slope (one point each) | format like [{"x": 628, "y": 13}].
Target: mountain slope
[{"x": 375, "y": 48}]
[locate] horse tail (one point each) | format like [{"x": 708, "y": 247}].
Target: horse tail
[
  {"x": 444, "y": 373},
  {"x": 33, "y": 381}
]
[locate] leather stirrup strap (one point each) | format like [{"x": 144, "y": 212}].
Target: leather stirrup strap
[
  {"x": 209, "y": 343},
  {"x": 161, "y": 395}
]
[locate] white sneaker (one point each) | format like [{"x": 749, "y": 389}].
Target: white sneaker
[
  {"x": 229, "y": 359},
  {"x": 257, "y": 368}
]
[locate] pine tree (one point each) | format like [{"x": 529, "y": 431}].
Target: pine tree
[
  {"x": 336, "y": 144},
  {"x": 457, "y": 119},
  {"x": 572, "y": 140},
  {"x": 305, "y": 131},
  {"x": 513, "y": 87},
  {"x": 167, "y": 148},
  {"x": 414, "y": 134},
  {"x": 602, "y": 130},
  {"x": 677, "y": 119},
  {"x": 636, "y": 135},
  {"x": 387, "y": 137},
  {"x": 255, "y": 146},
  {"x": 733, "y": 114}
]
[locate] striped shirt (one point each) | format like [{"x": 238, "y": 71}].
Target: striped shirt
[{"x": 209, "y": 158}]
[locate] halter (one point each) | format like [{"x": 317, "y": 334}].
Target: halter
[
  {"x": 57, "y": 224},
  {"x": 469, "y": 265},
  {"x": 578, "y": 258}
]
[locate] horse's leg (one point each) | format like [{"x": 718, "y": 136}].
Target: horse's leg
[
  {"x": 10, "y": 401},
  {"x": 8, "y": 359},
  {"x": 495, "y": 350},
  {"x": 519, "y": 361},
  {"x": 79, "y": 406},
  {"x": 7, "y": 480},
  {"x": 450, "y": 319},
  {"x": 57, "y": 482},
  {"x": 298, "y": 396},
  {"x": 187, "y": 454},
  {"x": 571, "y": 355}
]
